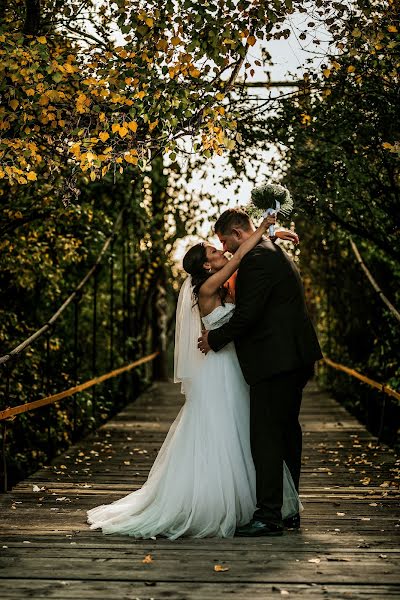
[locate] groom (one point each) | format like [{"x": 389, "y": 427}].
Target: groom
[{"x": 276, "y": 346}]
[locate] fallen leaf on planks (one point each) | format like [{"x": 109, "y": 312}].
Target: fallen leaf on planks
[
  {"x": 147, "y": 559},
  {"x": 220, "y": 568}
]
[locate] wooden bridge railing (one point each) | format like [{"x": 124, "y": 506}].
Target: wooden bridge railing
[
  {"x": 74, "y": 355},
  {"x": 385, "y": 389},
  {"x": 9, "y": 414}
]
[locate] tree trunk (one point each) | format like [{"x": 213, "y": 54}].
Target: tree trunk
[{"x": 32, "y": 17}]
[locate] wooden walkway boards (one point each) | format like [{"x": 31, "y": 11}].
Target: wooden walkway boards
[{"x": 347, "y": 548}]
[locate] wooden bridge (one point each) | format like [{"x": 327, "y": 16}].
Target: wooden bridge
[{"x": 347, "y": 547}]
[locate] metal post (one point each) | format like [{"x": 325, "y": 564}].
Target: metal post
[
  {"x": 123, "y": 275},
  {"x": 75, "y": 358},
  {"x": 47, "y": 392},
  {"x": 4, "y": 431},
  {"x": 94, "y": 343},
  {"x": 4, "y": 451},
  {"x": 382, "y": 419},
  {"x": 124, "y": 302},
  {"x": 111, "y": 313}
]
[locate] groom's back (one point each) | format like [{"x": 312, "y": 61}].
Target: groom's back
[{"x": 282, "y": 336}]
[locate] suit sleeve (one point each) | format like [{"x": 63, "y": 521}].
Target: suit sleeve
[{"x": 256, "y": 284}]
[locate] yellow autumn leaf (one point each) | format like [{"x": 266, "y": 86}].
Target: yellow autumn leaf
[
  {"x": 175, "y": 41},
  {"x": 123, "y": 131},
  {"x": 92, "y": 175},
  {"x": 42, "y": 39},
  {"x": 132, "y": 126},
  {"x": 220, "y": 568},
  {"x": 351, "y": 69},
  {"x": 162, "y": 45},
  {"x": 103, "y": 135},
  {"x": 153, "y": 125},
  {"x": 68, "y": 68},
  {"x": 194, "y": 73},
  {"x": 220, "y": 96},
  {"x": 326, "y": 72},
  {"x": 251, "y": 40},
  {"x": 140, "y": 95},
  {"x": 31, "y": 176},
  {"x": 14, "y": 104},
  {"x": 365, "y": 480},
  {"x": 149, "y": 22},
  {"x": 392, "y": 28},
  {"x": 115, "y": 127},
  {"x": 147, "y": 559},
  {"x": 131, "y": 159}
]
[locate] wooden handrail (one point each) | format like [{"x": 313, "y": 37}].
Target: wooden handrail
[
  {"x": 17, "y": 410},
  {"x": 382, "y": 387}
]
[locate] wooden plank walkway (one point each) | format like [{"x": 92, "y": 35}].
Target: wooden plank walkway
[{"x": 347, "y": 548}]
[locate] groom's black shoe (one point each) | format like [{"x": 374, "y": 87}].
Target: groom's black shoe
[
  {"x": 292, "y": 522},
  {"x": 258, "y": 528}
]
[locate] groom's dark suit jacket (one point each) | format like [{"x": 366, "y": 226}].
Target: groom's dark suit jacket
[{"x": 270, "y": 326}]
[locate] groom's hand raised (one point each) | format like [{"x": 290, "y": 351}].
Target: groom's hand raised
[{"x": 203, "y": 342}]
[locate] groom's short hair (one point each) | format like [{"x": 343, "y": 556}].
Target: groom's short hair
[{"x": 231, "y": 219}]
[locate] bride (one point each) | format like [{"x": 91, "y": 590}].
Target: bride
[{"x": 202, "y": 482}]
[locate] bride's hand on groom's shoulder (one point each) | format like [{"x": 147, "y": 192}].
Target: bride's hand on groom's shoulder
[
  {"x": 202, "y": 342},
  {"x": 285, "y": 234}
]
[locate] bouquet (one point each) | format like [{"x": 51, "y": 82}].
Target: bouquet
[{"x": 270, "y": 198}]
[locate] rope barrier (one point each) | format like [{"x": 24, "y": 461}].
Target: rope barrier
[
  {"x": 16, "y": 410},
  {"x": 372, "y": 281},
  {"x": 379, "y": 386},
  {"x": 70, "y": 298}
]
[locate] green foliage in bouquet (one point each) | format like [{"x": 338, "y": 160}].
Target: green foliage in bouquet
[{"x": 266, "y": 196}]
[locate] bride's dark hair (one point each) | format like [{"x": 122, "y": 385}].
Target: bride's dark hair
[{"x": 193, "y": 262}]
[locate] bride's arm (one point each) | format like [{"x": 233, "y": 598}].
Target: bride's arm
[{"x": 214, "y": 282}]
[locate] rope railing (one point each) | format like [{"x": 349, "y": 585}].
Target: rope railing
[
  {"x": 382, "y": 387},
  {"x": 47, "y": 326},
  {"x": 9, "y": 414},
  {"x": 385, "y": 390},
  {"x": 22, "y": 408},
  {"x": 372, "y": 281},
  {"x": 102, "y": 301}
]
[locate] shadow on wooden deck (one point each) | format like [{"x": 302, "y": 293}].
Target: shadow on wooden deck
[{"x": 347, "y": 547}]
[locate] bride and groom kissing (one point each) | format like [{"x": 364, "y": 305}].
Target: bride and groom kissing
[{"x": 244, "y": 349}]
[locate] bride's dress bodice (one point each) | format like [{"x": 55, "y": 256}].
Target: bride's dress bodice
[{"x": 219, "y": 316}]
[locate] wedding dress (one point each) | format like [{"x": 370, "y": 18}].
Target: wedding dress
[{"x": 202, "y": 482}]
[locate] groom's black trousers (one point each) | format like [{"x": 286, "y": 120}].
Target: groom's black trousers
[{"x": 276, "y": 436}]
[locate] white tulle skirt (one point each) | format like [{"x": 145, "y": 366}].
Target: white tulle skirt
[{"x": 202, "y": 482}]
